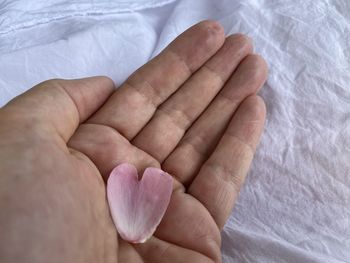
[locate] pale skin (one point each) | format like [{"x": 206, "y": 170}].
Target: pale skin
[{"x": 192, "y": 110}]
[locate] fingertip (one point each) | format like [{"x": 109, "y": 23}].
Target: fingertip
[
  {"x": 212, "y": 27},
  {"x": 198, "y": 43},
  {"x": 107, "y": 81},
  {"x": 243, "y": 41},
  {"x": 248, "y": 121},
  {"x": 261, "y": 65},
  {"x": 254, "y": 108},
  {"x": 101, "y": 82},
  {"x": 213, "y": 33},
  {"x": 262, "y": 105}
]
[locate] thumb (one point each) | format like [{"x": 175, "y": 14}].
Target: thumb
[{"x": 61, "y": 104}]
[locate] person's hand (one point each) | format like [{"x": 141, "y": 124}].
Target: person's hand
[{"x": 192, "y": 110}]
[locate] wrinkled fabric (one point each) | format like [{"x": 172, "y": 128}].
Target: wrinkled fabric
[{"x": 295, "y": 204}]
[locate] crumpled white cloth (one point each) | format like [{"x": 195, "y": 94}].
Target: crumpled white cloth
[{"x": 295, "y": 204}]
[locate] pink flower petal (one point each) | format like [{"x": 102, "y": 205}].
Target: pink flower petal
[{"x": 137, "y": 206}]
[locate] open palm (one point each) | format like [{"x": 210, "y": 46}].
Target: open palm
[{"x": 192, "y": 110}]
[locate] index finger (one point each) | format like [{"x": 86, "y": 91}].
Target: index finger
[{"x": 135, "y": 102}]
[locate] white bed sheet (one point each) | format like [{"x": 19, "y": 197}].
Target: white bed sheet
[{"x": 295, "y": 205}]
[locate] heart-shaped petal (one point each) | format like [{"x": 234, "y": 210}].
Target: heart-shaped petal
[{"x": 137, "y": 206}]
